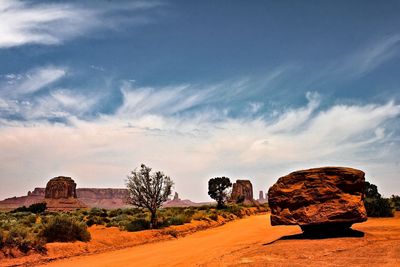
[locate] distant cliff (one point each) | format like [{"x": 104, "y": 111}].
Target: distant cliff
[{"x": 108, "y": 198}]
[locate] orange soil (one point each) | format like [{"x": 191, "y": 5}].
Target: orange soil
[{"x": 254, "y": 242}]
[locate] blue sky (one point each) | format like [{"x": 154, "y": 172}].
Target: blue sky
[{"x": 257, "y": 89}]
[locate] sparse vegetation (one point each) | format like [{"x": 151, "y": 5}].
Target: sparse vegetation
[
  {"x": 63, "y": 228},
  {"x": 26, "y": 231},
  {"x": 34, "y": 208},
  {"x": 395, "y": 200},
  {"x": 375, "y": 204}
]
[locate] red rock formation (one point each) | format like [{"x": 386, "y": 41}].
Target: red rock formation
[
  {"x": 242, "y": 192},
  {"x": 60, "y": 194},
  {"x": 261, "y": 195},
  {"x": 60, "y": 187},
  {"x": 315, "y": 198},
  {"x": 108, "y": 198}
]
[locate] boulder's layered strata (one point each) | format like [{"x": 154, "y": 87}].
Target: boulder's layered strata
[{"x": 318, "y": 199}]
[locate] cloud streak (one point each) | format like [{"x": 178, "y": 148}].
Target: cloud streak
[
  {"x": 25, "y": 22},
  {"x": 192, "y": 149}
]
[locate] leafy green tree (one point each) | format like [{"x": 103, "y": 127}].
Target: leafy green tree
[
  {"x": 34, "y": 208},
  {"x": 371, "y": 190},
  {"x": 396, "y": 201},
  {"x": 375, "y": 204},
  {"x": 218, "y": 190},
  {"x": 148, "y": 190}
]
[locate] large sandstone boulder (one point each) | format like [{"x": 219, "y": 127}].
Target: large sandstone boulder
[
  {"x": 318, "y": 199},
  {"x": 242, "y": 192}
]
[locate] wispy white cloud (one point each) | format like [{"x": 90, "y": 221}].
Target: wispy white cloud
[
  {"x": 27, "y": 22},
  {"x": 366, "y": 58},
  {"x": 192, "y": 149},
  {"x": 32, "y": 81},
  {"x": 19, "y": 98},
  {"x": 373, "y": 55}
]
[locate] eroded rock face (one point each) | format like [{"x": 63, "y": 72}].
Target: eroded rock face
[
  {"x": 60, "y": 187},
  {"x": 176, "y": 197},
  {"x": 242, "y": 191},
  {"x": 261, "y": 195},
  {"x": 60, "y": 194},
  {"x": 318, "y": 199}
]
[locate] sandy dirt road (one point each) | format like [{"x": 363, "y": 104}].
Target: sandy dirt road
[{"x": 254, "y": 242}]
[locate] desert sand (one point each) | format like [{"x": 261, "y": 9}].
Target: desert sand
[{"x": 254, "y": 242}]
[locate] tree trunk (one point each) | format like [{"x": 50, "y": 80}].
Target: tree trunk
[{"x": 153, "y": 220}]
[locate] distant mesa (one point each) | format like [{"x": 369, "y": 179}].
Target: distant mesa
[
  {"x": 242, "y": 192},
  {"x": 318, "y": 200},
  {"x": 61, "y": 193},
  {"x": 177, "y": 202}
]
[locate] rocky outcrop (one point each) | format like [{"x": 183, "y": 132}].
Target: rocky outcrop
[
  {"x": 318, "y": 199},
  {"x": 261, "y": 195},
  {"x": 60, "y": 194},
  {"x": 242, "y": 192},
  {"x": 177, "y": 202},
  {"x": 60, "y": 187},
  {"x": 108, "y": 198},
  {"x": 261, "y": 199}
]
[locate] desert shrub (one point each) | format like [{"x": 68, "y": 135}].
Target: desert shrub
[
  {"x": 180, "y": 219},
  {"x": 137, "y": 225},
  {"x": 98, "y": 220},
  {"x": 235, "y": 209},
  {"x": 1, "y": 239},
  {"x": 379, "y": 207},
  {"x": 34, "y": 208},
  {"x": 198, "y": 216},
  {"x": 375, "y": 204},
  {"x": 38, "y": 208},
  {"x": 29, "y": 220},
  {"x": 98, "y": 212},
  {"x": 65, "y": 229},
  {"x": 114, "y": 213},
  {"x": 396, "y": 202},
  {"x": 205, "y": 207},
  {"x": 15, "y": 236},
  {"x": 213, "y": 216}
]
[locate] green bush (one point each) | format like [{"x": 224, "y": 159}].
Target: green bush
[
  {"x": 38, "y": 208},
  {"x": 137, "y": 225},
  {"x": 235, "y": 209},
  {"x": 379, "y": 207},
  {"x": 1, "y": 239},
  {"x": 213, "y": 216},
  {"x": 180, "y": 219},
  {"x": 98, "y": 220},
  {"x": 65, "y": 229},
  {"x": 34, "y": 208},
  {"x": 375, "y": 204},
  {"x": 396, "y": 202}
]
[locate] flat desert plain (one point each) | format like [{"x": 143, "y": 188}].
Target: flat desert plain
[{"x": 254, "y": 242}]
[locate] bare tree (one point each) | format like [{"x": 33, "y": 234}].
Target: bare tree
[{"x": 148, "y": 190}]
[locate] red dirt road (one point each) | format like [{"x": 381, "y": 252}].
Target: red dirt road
[{"x": 245, "y": 242}]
